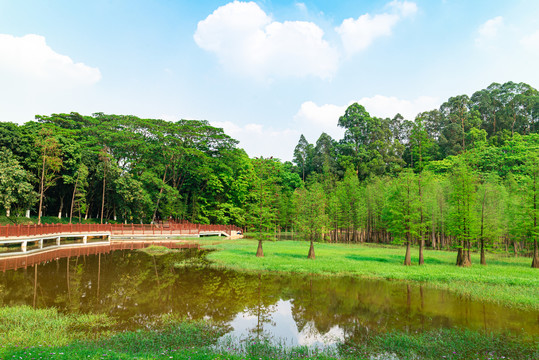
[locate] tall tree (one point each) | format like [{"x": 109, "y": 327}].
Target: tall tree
[
  {"x": 15, "y": 187},
  {"x": 312, "y": 218},
  {"x": 533, "y": 171},
  {"x": 51, "y": 163},
  {"x": 303, "y": 155},
  {"x": 463, "y": 219},
  {"x": 401, "y": 215}
]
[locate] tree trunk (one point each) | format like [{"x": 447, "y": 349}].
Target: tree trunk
[
  {"x": 421, "y": 245},
  {"x": 483, "y": 259},
  {"x": 459, "y": 257},
  {"x": 73, "y": 199},
  {"x": 407, "y": 257},
  {"x": 259, "y": 251},
  {"x": 463, "y": 257},
  {"x": 311, "y": 251},
  {"x": 159, "y": 196},
  {"x": 41, "y": 191},
  {"x": 103, "y": 197},
  {"x": 61, "y": 207},
  {"x": 535, "y": 261}
]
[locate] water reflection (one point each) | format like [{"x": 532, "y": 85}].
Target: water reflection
[{"x": 137, "y": 289}]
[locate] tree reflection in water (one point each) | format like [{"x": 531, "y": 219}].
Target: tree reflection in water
[{"x": 137, "y": 289}]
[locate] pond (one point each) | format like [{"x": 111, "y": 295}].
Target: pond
[{"x": 137, "y": 289}]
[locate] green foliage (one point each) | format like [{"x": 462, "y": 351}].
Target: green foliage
[
  {"x": 16, "y": 192},
  {"x": 310, "y": 205}
]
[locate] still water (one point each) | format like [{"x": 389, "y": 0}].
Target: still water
[{"x": 137, "y": 289}]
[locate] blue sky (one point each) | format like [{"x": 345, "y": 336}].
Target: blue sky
[{"x": 265, "y": 71}]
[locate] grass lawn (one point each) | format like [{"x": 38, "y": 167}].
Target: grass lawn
[{"x": 505, "y": 280}]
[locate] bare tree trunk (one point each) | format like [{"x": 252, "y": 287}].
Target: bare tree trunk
[
  {"x": 407, "y": 257},
  {"x": 41, "y": 191},
  {"x": 311, "y": 251},
  {"x": 159, "y": 197},
  {"x": 103, "y": 197},
  {"x": 259, "y": 251},
  {"x": 535, "y": 261},
  {"x": 483, "y": 260},
  {"x": 73, "y": 199}
]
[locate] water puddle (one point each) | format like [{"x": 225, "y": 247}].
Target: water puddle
[{"x": 138, "y": 289}]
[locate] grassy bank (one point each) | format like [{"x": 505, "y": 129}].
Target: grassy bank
[
  {"x": 57, "y": 336},
  {"x": 505, "y": 280}
]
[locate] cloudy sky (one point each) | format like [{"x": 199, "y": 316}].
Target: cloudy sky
[{"x": 265, "y": 71}]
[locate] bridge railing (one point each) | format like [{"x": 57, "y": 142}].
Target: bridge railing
[{"x": 11, "y": 231}]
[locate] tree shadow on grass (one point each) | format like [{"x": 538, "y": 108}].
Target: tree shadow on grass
[
  {"x": 295, "y": 256},
  {"x": 373, "y": 258},
  {"x": 392, "y": 259}
]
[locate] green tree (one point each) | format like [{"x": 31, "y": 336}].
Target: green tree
[
  {"x": 15, "y": 188},
  {"x": 51, "y": 163},
  {"x": 303, "y": 153},
  {"x": 311, "y": 209},
  {"x": 462, "y": 218},
  {"x": 400, "y": 214}
]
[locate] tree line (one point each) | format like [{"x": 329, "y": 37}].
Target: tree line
[{"x": 462, "y": 176}]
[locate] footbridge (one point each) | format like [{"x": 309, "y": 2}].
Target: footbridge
[{"x": 24, "y": 239}]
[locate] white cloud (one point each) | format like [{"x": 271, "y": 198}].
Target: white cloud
[
  {"x": 384, "y": 106},
  {"x": 29, "y": 58},
  {"x": 38, "y": 80},
  {"x": 404, "y": 8},
  {"x": 358, "y": 34},
  {"x": 531, "y": 42},
  {"x": 246, "y": 40},
  {"x": 314, "y": 119},
  {"x": 259, "y": 140},
  {"x": 301, "y": 6},
  {"x": 489, "y": 30}
]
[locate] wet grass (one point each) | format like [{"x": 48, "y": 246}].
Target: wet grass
[
  {"x": 505, "y": 280},
  {"x": 22, "y": 326},
  {"x": 156, "y": 250}
]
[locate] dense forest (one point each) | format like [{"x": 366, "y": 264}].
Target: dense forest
[{"x": 462, "y": 176}]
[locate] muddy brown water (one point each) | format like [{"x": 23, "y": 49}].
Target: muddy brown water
[{"x": 136, "y": 289}]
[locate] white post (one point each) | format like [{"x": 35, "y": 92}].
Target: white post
[
  {"x": 28, "y": 213},
  {"x": 85, "y": 239},
  {"x": 41, "y": 243},
  {"x": 58, "y": 241},
  {"x": 23, "y": 246}
]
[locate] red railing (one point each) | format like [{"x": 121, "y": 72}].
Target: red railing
[{"x": 10, "y": 231}]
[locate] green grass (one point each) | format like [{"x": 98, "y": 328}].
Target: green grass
[
  {"x": 156, "y": 250},
  {"x": 505, "y": 280},
  {"x": 33, "y": 334},
  {"x": 23, "y": 326}
]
